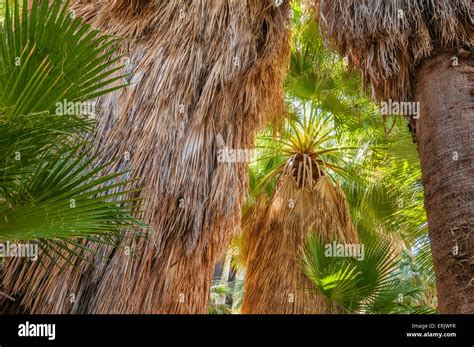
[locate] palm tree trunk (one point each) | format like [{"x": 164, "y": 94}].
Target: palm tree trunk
[
  {"x": 273, "y": 238},
  {"x": 274, "y": 282},
  {"x": 200, "y": 71},
  {"x": 445, "y": 136},
  {"x": 229, "y": 298}
]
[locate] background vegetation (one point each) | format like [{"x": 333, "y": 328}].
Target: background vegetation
[{"x": 56, "y": 189}]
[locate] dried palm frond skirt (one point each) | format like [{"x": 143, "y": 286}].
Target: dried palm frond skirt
[{"x": 200, "y": 70}]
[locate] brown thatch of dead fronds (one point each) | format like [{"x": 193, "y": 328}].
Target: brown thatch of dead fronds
[
  {"x": 202, "y": 70},
  {"x": 387, "y": 39},
  {"x": 274, "y": 235}
]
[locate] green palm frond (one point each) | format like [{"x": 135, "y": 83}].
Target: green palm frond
[
  {"x": 368, "y": 284},
  {"x": 65, "y": 198},
  {"x": 306, "y": 148},
  {"x": 52, "y": 189},
  {"x": 26, "y": 138},
  {"x": 423, "y": 259},
  {"x": 337, "y": 126},
  {"x": 321, "y": 77},
  {"x": 48, "y": 56}
]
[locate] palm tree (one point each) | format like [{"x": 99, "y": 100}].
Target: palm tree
[
  {"x": 306, "y": 197},
  {"x": 390, "y": 221},
  {"x": 372, "y": 284},
  {"x": 200, "y": 71},
  {"x": 51, "y": 193},
  {"x": 418, "y": 52},
  {"x": 300, "y": 171}
]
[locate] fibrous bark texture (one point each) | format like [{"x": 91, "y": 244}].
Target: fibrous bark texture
[
  {"x": 446, "y": 143},
  {"x": 387, "y": 39},
  {"x": 275, "y": 234},
  {"x": 201, "y": 70},
  {"x": 418, "y": 51}
]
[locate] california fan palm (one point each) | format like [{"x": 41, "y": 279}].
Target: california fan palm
[
  {"x": 306, "y": 198},
  {"x": 52, "y": 195},
  {"x": 421, "y": 52},
  {"x": 200, "y": 71}
]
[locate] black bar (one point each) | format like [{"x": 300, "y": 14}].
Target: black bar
[{"x": 311, "y": 330}]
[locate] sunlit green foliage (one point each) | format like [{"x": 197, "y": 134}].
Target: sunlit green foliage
[
  {"x": 52, "y": 186},
  {"x": 381, "y": 179}
]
